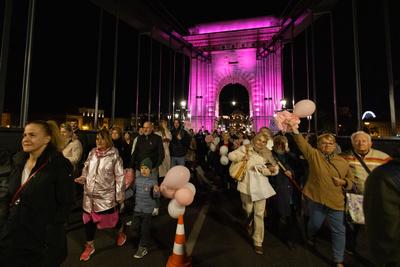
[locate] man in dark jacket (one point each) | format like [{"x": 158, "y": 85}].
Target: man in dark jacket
[
  {"x": 179, "y": 144},
  {"x": 148, "y": 145}
]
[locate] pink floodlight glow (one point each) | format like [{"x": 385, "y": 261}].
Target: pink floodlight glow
[
  {"x": 235, "y": 25},
  {"x": 261, "y": 77}
]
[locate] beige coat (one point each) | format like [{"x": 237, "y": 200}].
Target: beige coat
[
  {"x": 73, "y": 152},
  {"x": 105, "y": 185},
  {"x": 320, "y": 187},
  {"x": 166, "y": 164},
  {"x": 254, "y": 159}
]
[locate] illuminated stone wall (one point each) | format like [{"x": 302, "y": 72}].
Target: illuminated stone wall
[{"x": 232, "y": 58}]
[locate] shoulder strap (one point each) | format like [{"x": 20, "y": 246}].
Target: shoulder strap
[
  {"x": 280, "y": 164},
  {"x": 247, "y": 149},
  {"x": 362, "y": 162},
  {"x": 15, "y": 197}
]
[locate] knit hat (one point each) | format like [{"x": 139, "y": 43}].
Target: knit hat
[{"x": 146, "y": 162}]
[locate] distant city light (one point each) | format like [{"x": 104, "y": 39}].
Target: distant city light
[
  {"x": 368, "y": 115},
  {"x": 283, "y": 103}
]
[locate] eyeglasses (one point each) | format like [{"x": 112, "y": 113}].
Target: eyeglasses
[{"x": 327, "y": 143}]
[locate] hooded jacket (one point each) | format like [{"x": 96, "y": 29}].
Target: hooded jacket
[{"x": 104, "y": 186}]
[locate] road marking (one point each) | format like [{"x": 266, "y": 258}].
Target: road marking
[{"x": 194, "y": 234}]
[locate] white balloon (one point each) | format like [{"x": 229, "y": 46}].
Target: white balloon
[
  {"x": 216, "y": 140},
  {"x": 191, "y": 187},
  {"x": 174, "y": 209},
  {"x": 223, "y": 150},
  {"x": 246, "y": 142},
  {"x": 304, "y": 108},
  {"x": 212, "y": 147},
  {"x": 224, "y": 160}
]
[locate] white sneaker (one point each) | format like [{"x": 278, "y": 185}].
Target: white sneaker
[
  {"x": 128, "y": 223},
  {"x": 155, "y": 212}
]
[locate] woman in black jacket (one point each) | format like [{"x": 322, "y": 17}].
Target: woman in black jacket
[{"x": 40, "y": 196}]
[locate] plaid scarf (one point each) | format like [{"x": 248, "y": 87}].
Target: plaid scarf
[{"x": 101, "y": 153}]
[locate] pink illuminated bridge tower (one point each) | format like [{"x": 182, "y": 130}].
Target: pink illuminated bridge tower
[{"x": 231, "y": 47}]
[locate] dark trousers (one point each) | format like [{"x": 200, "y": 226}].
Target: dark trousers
[
  {"x": 289, "y": 228},
  {"x": 352, "y": 231},
  {"x": 142, "y": 223},
  {"x": 91, "y": 227}
]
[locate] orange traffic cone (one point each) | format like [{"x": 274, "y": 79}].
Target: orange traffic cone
[{"x": 178, "y": 257}]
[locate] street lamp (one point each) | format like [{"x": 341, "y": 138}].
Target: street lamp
[
  {"x": 183, "y": 103},
  {"x": 309, "y": 117},
  {"x": 283, "y": 103},
  {"x": 233, "y": 103}
]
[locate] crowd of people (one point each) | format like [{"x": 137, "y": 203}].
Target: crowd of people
[{"x": 284, "y": 176}]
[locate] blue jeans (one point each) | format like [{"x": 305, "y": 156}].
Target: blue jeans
[
  {"x": 318, "y": 214},
  {"x": 177, "y": 161}
]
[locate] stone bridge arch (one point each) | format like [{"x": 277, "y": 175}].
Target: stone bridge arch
[{"x": 243, "y": 79}]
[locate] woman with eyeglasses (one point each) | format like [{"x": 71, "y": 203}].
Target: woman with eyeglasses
[{"x": 329, "y": 175}]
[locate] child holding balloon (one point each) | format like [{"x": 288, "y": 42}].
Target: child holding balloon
[{"x": 146, "y": 192}]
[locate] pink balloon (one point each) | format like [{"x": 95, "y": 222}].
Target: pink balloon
[
  {"x": 304, "y": 108},
  {"x": 191, "y": 187},
  {"x": 167, "y": 192},
  {"x": 184, "y": 196},
  {"x": 176, "y": 177}
]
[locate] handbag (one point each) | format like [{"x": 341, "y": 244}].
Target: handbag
[
  {"x": 354, "y": 202},
  {"x": 260, "y": 188},
  {"x": 354, "y": 211},
  {"x": 354, "y": 208},
  {"x": 237, "y": 170}
]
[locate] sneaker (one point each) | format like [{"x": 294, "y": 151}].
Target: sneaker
[
  {"x": 121, "y": 238},
  {"x": 140, "y": 253},
  {"x": 87, "y": 252},
  {"x": 155, "y": 212},
  {"x": 259, "y": 250},
  {"x": 128, "y": 223}
]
